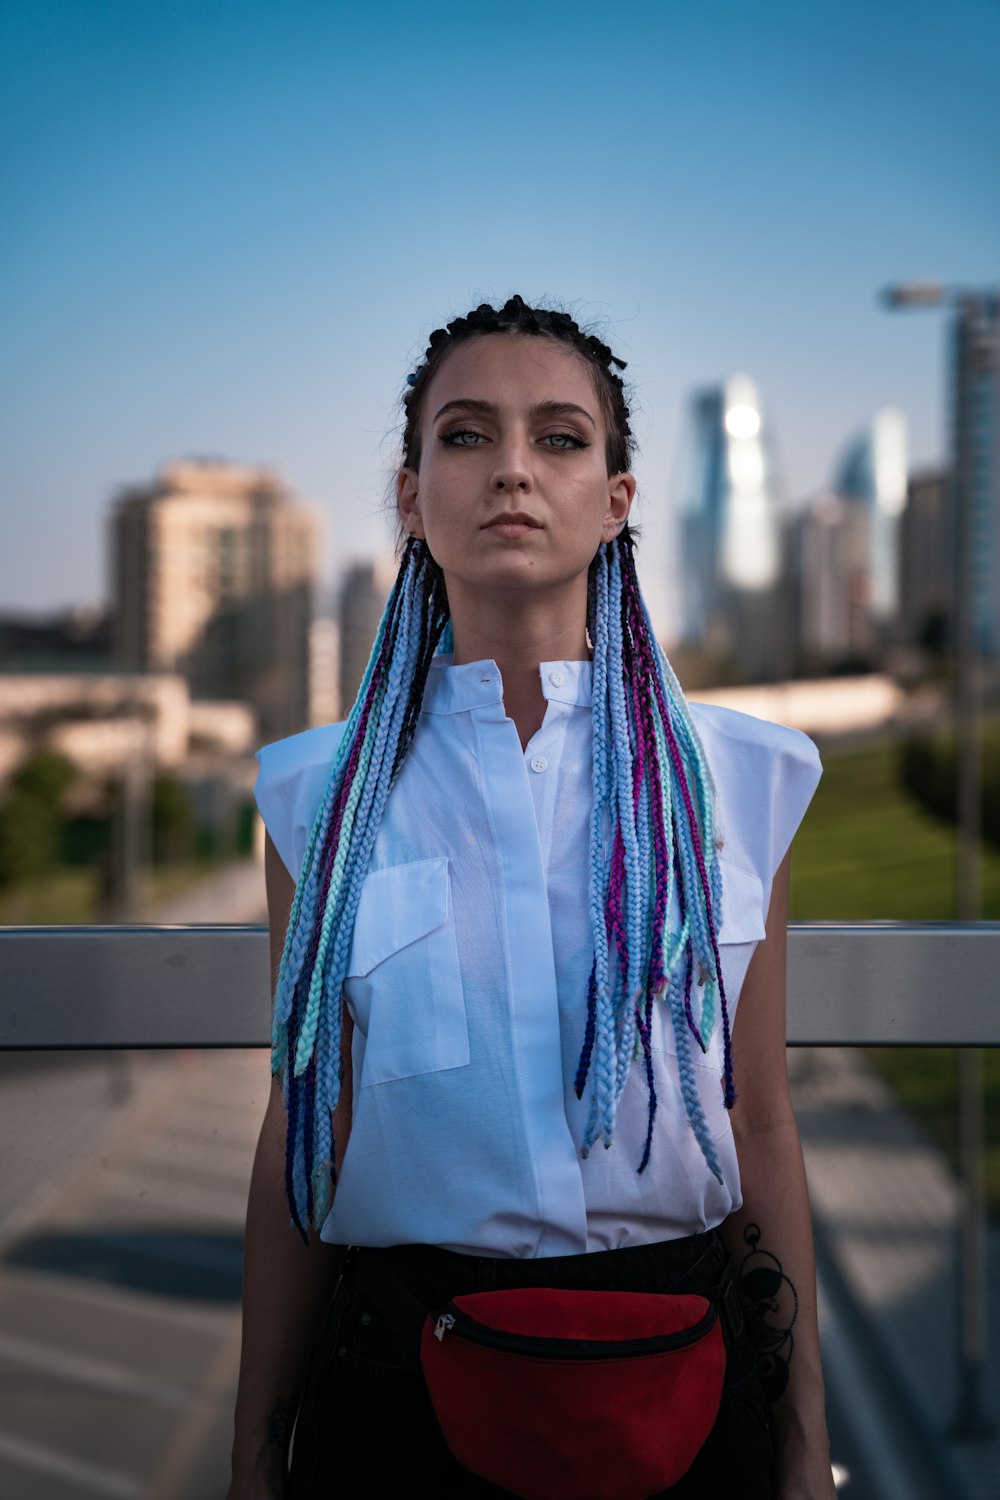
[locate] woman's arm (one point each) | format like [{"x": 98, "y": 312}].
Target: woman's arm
[
  {"x": 770, "y": 1238},
  {"x": 286, "y": 1284}
]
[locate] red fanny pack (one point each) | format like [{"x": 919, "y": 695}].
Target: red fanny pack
[{"x": 594, "y": 1395}]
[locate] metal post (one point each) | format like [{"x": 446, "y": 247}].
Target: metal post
[
  {"x": 130, "y": 835},
  {"x": 970, "y": 1416}
]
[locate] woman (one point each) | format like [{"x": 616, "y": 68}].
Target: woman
[{"x": 495, "y": 899}]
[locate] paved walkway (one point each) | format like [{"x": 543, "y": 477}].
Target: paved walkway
[
  {"x": 122, "y": 1199},
  {"x": 120, "y": 1275},
  {"x": 884, "y": 1202},
  {"x": 235, "y": 894}
]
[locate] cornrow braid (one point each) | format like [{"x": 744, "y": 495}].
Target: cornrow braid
[
  {"x": 308, "y": 1008},
  {"x": 516, "y": 317}
]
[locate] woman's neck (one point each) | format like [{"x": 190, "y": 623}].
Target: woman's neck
[{"x": 518, "y": 637}]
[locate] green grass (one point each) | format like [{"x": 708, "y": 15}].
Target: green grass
[
  {"x": 865, "y": 851},
  {"x": 69, "y": 895}
]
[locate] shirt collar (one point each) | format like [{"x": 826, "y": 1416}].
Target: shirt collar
[
  {"x": 568, "y": 682},
  {"x": 476, "y": 684}
]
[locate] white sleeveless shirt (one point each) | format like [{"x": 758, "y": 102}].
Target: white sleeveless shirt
[{"x": 468, "y": 973}]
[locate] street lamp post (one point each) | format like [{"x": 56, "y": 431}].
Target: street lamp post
[{"x": 971, "y": 1419}]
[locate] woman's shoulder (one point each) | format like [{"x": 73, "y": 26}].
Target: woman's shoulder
[
  {"x": 720, "y": 724},
  {"x": 765, "y": 775},
  {"x": 292, "y": 774},
  {"x": 298, "y": 751}
]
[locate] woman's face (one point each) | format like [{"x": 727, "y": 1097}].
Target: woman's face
[{"x": 512, "y": 427}]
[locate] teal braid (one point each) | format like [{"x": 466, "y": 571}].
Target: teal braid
[
  {"x": 375, "y": 792},
  {"x": 351, "y": 862},
  {"x": 705, "y": 790},
  {"x": 651, "y": 771},
  {"x": 339, "y": 917},
  {"x": 298, "y": 931},
  {"x": 622, "y": 742},
  {"x": 321, "y": 824},
  {"x": 308, "y": 1010},
  {"x": 674, "y": 947},
  {"x": 600, "y": 1023},
  {"x": 322, "y": 1126},
  {"x": 621, "y": 730},
  {"x": 337, "y": 925}
]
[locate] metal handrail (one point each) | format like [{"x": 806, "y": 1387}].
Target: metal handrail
[{"x": 928, "y": 984}]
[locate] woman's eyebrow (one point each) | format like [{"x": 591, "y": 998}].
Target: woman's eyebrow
[{"x": 542, "y": 409}]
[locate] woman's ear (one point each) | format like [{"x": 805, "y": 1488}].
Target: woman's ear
[
  {"x": 407, "y": 503},
  {"x": 621, "y": 493}
]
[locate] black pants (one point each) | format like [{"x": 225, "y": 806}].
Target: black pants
[{"x": 365, "y": 1408}]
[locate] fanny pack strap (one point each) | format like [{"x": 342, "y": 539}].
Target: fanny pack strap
[{"x": 392, "y": 1299}]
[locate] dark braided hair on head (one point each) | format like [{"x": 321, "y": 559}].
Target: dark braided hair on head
[{"x": 516, "y": 318}]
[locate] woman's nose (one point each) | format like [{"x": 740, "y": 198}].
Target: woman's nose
[{"x": 512, "y": 470}]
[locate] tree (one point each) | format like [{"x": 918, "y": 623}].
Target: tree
[{"x": 31, "y": 817}]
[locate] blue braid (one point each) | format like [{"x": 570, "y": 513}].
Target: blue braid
[
  {"x": 603, "y": 797},
  {"x": 650, "y": 768},
  {"x": 309, "y": 1003}
]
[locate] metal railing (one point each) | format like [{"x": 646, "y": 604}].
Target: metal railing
[
  {"x": 927, "y": 984},
  {"x": 849, "y": 984}
]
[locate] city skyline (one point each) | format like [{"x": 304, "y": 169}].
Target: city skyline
[{"x": 232, "y": 229}]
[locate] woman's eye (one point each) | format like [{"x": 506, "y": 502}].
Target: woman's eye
[{"x": 467, "y": 437}]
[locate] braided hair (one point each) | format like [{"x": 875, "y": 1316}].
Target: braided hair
[
  {"x": 650, "y": 779},
  {"x": 514, "y": 318}
]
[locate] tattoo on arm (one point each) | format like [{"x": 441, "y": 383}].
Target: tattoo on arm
[
  {"x": 279, "y": 1425},
  {"x": 770, "y": 1307}
]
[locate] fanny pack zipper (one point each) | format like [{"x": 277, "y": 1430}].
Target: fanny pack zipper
[{"x": 452, "y": 1320}]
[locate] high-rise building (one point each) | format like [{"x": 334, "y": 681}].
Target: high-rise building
[
  {"x": 975, "y": 422},
  {"x": 926, "y": 561},
  {"x": 872, "y": 472},
  {"x": 832, "y": 551},
  {"x": 733, "y": 602},
  {"x": 847, "y": 550},
  {"x": 324, "y": 671},
  {"x": 363, "y": 593},
  {"x": 213, "y": 574}
]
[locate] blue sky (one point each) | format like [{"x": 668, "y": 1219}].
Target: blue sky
[{"x": 230, "y": 226}]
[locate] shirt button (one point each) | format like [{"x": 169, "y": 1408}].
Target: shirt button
[
  {"x": 557, "y": 678},
  {"x": 539, "y": 763}
]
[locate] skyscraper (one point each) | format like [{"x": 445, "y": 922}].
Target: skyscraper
[
  {"x": 733, "y": 604},
  {"x": 976, "y": 449},
  {"x": 364, "y": 590},
  {"x": 213, "y": 572},
  {"x": 872, "y": 472},
  {"x": 831, "y": 549},
  {"x": 926, "y": 561}
]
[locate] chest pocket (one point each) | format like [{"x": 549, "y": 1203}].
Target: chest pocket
[
  {"x": 741, "y": 928},
  {"x": 404, "y": 983},
  {"x": 742, "y": 905}
]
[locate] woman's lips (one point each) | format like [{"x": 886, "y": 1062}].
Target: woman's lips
[{"x": 513, "y": 525}]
